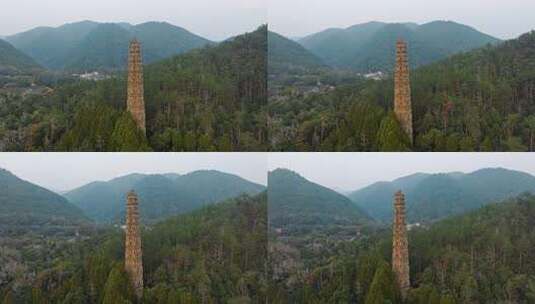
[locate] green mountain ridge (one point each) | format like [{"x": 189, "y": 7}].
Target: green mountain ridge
[
  {"x": 23, "y": 204},
  {"x": 13, "y": 61},
  {"x": 285, "y": 54},
  {"x": 90, "y": 45},
  {"x": 160, "y": 195},
  {"x": 295, "y": 201},
  {"x": 370, "y": 47},
  {"x": 430, "y": 197}
]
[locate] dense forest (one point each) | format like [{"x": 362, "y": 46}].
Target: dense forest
[
  {"x": 214, "y": 255},
  {"x": 309, "y": 224},
  {"x": 208, "y": 99},
  {"x": 299, "y": 206},
  {"x": 481, "y": 257},
  {"x": 476, "y": 101},
  {"x": 287, "y": 55}
]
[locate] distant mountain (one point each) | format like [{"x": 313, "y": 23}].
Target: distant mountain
[
  {"x": 479, "y": 100},
  {"x": 25, "y": 204},
  {"x": 435, "y": 196},
  {"x": 228, "y": 81},
  {"x": 370, "y": 46},
  {"x": 90, "y": 45},
  {"x": 13, "y": 61},
  {"x": 51, "y": 46},
  {"x": 295, "y": 201},
  {"x": 285, "y": 54},
  {"x": 160, "y": 195},
  {"x": 105, "y": 47}
]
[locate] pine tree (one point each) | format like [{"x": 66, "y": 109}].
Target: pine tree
[
  {"x": 127, "y": 137},
  {"x": 383, "y": 288},
  {"x": 117, "y": 289},
  {"x": 391, "y": 137}
]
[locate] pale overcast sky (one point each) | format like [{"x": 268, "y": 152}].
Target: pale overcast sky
[
  {"x": 501, "y": 18},
  {"x": 352, "y": 171},
  {"x": 212, "y": 19},
  {"x": 66, "y": 171}
]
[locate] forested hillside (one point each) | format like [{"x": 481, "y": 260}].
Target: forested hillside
[
  {"x": 13, "y": 61},
  {"x": 160, "y": 195},
  {"x": 214, "y": 255},
  {"x": 368, "y": 47},
  {"x": 482, "y": 257},
  {"x": 88, "y": 45},
  {"x": 49, "y": 45},
  {"x": 434, "y": 196},
  {"x": 477, "y": 101},
  {"x": 208, "y": 99},
  {"x": 308, "y": 224},
  {"x": 285, "y": 55},
  {"x": 300, "y": 206},
  {"x": 23, "y": 204}
]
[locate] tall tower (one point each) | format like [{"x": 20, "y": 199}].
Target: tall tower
[
  {"x": 400, "y": 245},
  {"x": 135, "y": 102},
  {"x": 133, "y": 254},
  {"x": 402, "y": 89}
]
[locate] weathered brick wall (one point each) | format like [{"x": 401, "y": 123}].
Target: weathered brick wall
[
  {"x": 402, "y": 90},
  {"x": 133, "y": 253},
  {"x": 135, "y": 102},
  {"x": 400, "y": 245}
]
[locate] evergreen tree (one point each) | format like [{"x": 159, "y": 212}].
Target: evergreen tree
[
  {"x": 92, "y": 130},
  {"x": 530, "y": 125},
  {"x": 117, "y": 288},
  {"x": 127, "y": 137},
  {"x": 383, "y": 288},
  {"x": 391, "y": 137}
]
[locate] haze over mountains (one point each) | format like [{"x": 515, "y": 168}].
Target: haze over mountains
[
  {"x": 436, "y": 196},
  {"x": 23, "y": 204},
  {"x": 160, "y": 195},
  {"x": 284, "y": 54},
  {"x": 293, "y": 200},
  {"x": 370, "y": 47},
  {"x": 13, "y": 61},
  {"x": 460, "y": 103},
  {"x": 296, "y": 202},
  {"x": 89, "y": 45}
]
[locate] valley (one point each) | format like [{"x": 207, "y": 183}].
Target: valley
[
  {"x": 267, "y": 152},
  {"x": 457, "y": 260},
  {"x": 204, "y": 236},
  {"x": 467, "y": 233},
  {"x": 475, "y": 98},
  {"x": 201, "y": 95}
]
